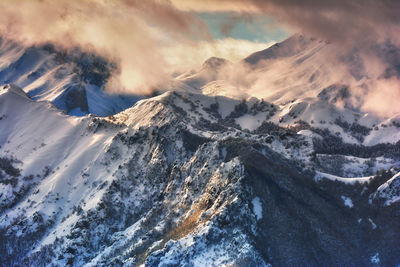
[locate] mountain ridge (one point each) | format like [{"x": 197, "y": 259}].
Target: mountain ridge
[{"x": 167, "y": 188}]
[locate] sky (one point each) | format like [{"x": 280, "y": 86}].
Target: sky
[{"x": 254, "y": 28}]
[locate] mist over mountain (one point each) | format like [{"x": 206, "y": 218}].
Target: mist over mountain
[
  {"x": 302, "y": 67},
  {"x": 199, "y": 133},
  {"x": 203, "y": 174},
  {"x": 73, "y": 81}
]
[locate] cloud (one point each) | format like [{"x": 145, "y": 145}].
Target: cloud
[
  {"x": 356, "y": 24},
  {"x": 384, "y": 98},
  {"x": 333, "y": 20},
  {"x": 148, "y": 40},
  {"x": 151, "y": 39},
  {"x": 184, "y": 56},
  {"x": 131, "y": 33},
  {"x": 364, "y": 37},
  {"x": 216, "y": 5}
]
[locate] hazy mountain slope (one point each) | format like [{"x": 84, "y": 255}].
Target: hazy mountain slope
[
  {"x": 209, "y": 71},
  {"x": 295, "y": 68},
  {"x": 302, "y": 67},
  {"x": 74, "y": 81},
  {"x": 175, "y": 180}
]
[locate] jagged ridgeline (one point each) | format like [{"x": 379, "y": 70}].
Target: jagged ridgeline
[{"x": 192, "y": 180}]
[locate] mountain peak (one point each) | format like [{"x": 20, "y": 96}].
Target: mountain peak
[
  {"x": 289, "y": 47},
  {"x": 215, "y": 63}
]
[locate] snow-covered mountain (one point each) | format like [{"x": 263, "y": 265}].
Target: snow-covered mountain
[
  {"x": 193, "y": 179},
  {"x": 302, "y": 67},
  {"x": 72, "y": 80}
]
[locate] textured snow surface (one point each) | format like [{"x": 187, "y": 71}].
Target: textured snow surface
[
  {"x": 347, "y": 202},
  {"x": 190, "y": 179},
  {"x": 320, "y": 175},
  {"x": 375, "y": 259},
  {"x": 150, "y": 185},
  {"x": 390, "y": 191}
]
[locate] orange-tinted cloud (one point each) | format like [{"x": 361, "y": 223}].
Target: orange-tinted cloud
[
  {"x": 132, "y": 33},
  {"x": 333, "y": 20},
  {"x": 153, "y": 38}
]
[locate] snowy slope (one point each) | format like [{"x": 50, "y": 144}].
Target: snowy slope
[
  {"x": 73, "y": 81},
  {"x": 305, "y": 68},
  {"x": 209, "y": 71},
  {"x": 175, "y": 180},
  {"x": 389, "y": 192},
  {"x": 306, "y": 80},
  {"x": 298, "y": 67},
  {"x": 193, "y": 177}
]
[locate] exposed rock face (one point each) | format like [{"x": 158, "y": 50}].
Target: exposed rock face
[
  {"x": 76, "y": 98},
  {"x": 175, "y": 180}
]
